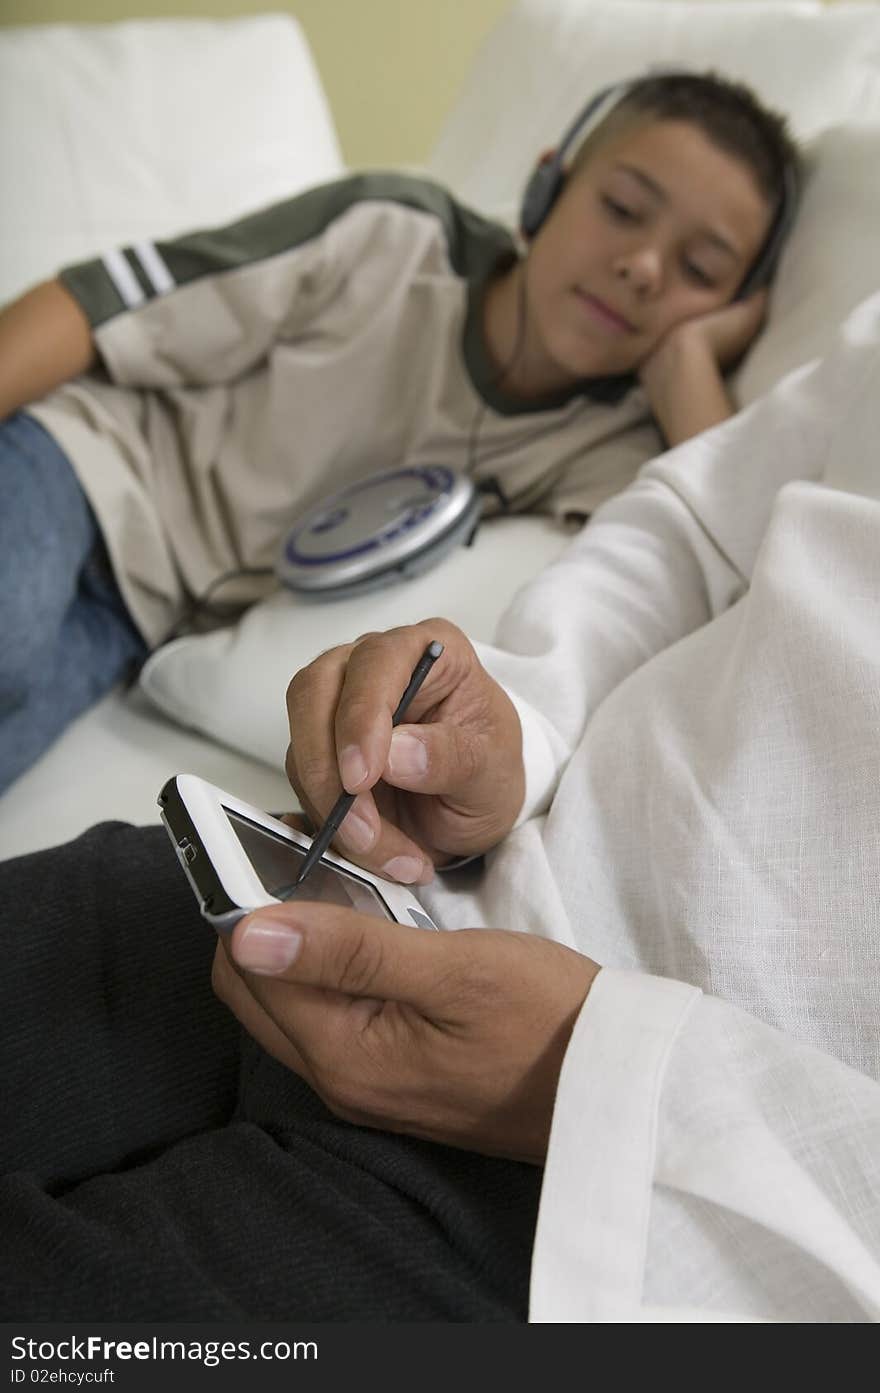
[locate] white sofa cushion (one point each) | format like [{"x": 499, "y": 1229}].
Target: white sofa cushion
[
  {"x": 818, "y": 63},
  {"x": 831, "y": 262},
  {"x": 231, "y": 684},
  {"x": 112, "y": 132}
]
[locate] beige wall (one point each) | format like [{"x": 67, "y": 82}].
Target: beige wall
[{"x": 391, "y": 68}]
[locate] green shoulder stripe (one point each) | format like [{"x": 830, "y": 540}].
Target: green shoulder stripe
[{"x": 123, "y": 280}]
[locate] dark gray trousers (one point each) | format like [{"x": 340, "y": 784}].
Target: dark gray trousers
[{"x": 158, "y": 1166}]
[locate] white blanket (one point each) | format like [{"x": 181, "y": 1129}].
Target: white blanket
[{"x": 699, "y": 681}]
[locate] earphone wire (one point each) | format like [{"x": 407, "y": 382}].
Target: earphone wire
[
  {"x": 492, "y": 485},
  {"x": 199, "y": 604}
]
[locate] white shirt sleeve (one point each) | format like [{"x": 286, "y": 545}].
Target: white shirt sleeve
[
  {"x": 638, "y": 577},
  {"x": 703, "y": 1165},
  {"x": 673, "y": 551},
  {"x": 714, "y": 842}
]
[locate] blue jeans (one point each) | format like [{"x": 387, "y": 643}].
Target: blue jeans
[{"x": 66, "y": 636}]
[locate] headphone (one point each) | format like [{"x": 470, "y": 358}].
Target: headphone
[{"x": 547, "y": 179}]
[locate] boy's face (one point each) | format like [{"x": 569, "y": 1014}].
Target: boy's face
[{"x": 657, "y": 225}]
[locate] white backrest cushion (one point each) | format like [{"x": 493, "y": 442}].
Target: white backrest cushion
[
  {"x": 831, "y": 262},
  {"x": 819, "y": 63},
  {"x": 111, "y": 132}
]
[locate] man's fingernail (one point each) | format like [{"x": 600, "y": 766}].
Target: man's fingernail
[
  {"x": 268, "y": 947},
  {"x": 407, "y": 869},
  {"x": 408, "y": 756},
  {"x": 356, "y": 831},
  {"x": 352, "y": 767}
]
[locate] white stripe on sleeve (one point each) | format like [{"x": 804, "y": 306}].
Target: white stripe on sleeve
[
  {"x": 124, "y": 278},
  {"x": 155, "y": 268}
]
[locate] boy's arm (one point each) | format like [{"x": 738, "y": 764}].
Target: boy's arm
[
  {"x": 683, "y": 376},
  {"x": 45, "y": 339}
]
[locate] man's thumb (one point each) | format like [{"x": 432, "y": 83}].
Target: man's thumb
[{"x": 335, "y": 948}]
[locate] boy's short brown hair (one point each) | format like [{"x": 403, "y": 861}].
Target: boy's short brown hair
[{"x": 727, "y": 112}]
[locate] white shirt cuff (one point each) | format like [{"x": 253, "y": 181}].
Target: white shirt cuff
[
  {"x": 589, "y": 1255},
  {"x": 544, "y": 758}
]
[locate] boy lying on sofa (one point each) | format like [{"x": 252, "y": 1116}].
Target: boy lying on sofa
[{"x": 170, "y": 408}]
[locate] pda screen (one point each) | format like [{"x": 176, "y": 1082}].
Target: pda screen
[{"x": 277, "y": 861}]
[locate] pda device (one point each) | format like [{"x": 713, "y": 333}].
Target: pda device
[{"x": 238, "y": 858}]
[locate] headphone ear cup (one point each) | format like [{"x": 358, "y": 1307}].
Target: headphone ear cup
[
  {"x": 541, "y": 193},
  {"x": 756, "y": 279},
  {"x": 764, "y": 267},
  {"x": 761, "y": 272}
]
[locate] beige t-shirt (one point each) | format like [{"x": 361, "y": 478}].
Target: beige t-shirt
[{"x": 250, "y": 371}]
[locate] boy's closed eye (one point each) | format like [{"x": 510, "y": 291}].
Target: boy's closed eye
[
  {"x": 620, "y": 212},
  {"x": 698, "y": 274}
]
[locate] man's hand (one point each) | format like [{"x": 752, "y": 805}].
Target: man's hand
[
  {"x": 453, "y": 1037},
  {"x": 448, "y": 783}
]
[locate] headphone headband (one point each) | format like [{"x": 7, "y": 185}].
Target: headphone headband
[{"x": 546, "y": 181}]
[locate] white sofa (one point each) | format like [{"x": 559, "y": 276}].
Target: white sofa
[{"x": 150, "y": 127}]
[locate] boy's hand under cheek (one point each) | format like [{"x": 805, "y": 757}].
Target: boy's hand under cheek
[
  {"x": 453, "y": 1037},
  {"x": 726, "y": 333},
  {"x": 683, "y": 376},
  {"x": 729, "y": 331}
]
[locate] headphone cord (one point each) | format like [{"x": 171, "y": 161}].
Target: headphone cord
[
  {"x": 199, "y": 606},
  {"x": 492, "y": 485}
]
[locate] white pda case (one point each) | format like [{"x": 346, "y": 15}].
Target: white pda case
[{"x": 201, "y": 821}]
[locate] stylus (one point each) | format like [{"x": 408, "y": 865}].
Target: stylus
[{"x": 325, "y": 836}]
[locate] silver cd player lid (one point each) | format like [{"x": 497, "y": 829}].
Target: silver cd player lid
[{"x": 388, "y": 526}]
